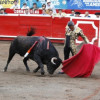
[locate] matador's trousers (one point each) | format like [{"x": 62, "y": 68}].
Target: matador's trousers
[{"x": 68, "y": 48}]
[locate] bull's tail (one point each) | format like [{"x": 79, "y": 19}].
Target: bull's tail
[{"x": 31, "y": 32}]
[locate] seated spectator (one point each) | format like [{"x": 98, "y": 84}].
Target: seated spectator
[
  {"x": 34, "y": 7},
  {"x": 38, "y": 2},
  {"x": 26, "y": 11},
  {"x": 72, "y": 12},
  {"x": 87, "y": 14},
  {"x": 1, "y": 6},
  {"x": 77, "y": 14},
  {"x": 44, "y": 12},
  {"x": 50, "y": 12},
  {"x": 25, "y": 6},
  {"x": 97, "y": 14},
  {"x": 49, "y": 5},
  {"x": 60, "y": 13},
  {"x": 2, "y": 11},
  {"x": 16, "y": 5},
  {"x": 43, "y": 6}
]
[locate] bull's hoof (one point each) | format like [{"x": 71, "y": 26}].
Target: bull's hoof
[
  {"x": 5, "y": 69},
  {"x": 34, "y": 71},
  {"x": 28, "y": 70},
  {"x": 42, "y": 73}
]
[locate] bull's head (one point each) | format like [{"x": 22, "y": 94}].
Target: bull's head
[{"x": 53, "y": 64}]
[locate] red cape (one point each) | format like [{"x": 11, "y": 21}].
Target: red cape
[{"x": 82, "y": 64}]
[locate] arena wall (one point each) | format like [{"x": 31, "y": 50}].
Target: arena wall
[{"x": 12, "y": 25}]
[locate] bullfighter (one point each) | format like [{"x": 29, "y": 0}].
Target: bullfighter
[{"x": 72, "y": 33}]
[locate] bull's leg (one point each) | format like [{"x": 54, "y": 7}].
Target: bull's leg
[
  {"x": 35, "y": 70},
  {"x": 11, "y": 54},
  {"x": 25, "y": 63},
  {"x": 37, "y": 59}
]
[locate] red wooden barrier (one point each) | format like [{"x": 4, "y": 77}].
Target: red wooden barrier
[
  {"x": 54, "y": 28},
  {"x": 58, "y": 27},
  {"x": 90, "y": 28},
  {"x": 9, "y": 25},
  {"x": 43, "y": 25}
]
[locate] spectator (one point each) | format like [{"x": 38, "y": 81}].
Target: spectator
[
  {"x": 87, "y": 14},
  {"x": 43, "y": 6},
  {"x": 16, "y": 5},
  {"x": 34, "y": 7},
  {"x": 1, "y": 7},
  {"x": 77, "y": 14},
  {"x": 49, "y": 5},
  {"x": 50, "y": 12},
  {"x": 72, "y": 12},
  {"x": 2, "y": 11},
  {"x": 26, "y": 11},
  {"x": 44, "y": 12},
  {"x": 25, "y": 6},
  {"x": 38, "y": 3},
  {"x": 60, "y": 13},
  {"x": 97, "y": 14}
]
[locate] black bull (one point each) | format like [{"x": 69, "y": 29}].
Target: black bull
[{"x": 40, "y": 53}]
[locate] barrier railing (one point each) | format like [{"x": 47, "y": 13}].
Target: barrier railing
[{"x": 40, "y": 11}]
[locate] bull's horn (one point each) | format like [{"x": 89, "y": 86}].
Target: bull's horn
[{"x": 52, "y": 60}]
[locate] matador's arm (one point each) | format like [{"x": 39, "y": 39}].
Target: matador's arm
[{"x": 83, "y": 36}]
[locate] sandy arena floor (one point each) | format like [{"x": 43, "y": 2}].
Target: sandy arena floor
[{"x": 17, "y": 84}]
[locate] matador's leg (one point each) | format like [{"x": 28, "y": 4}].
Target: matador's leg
[{"x": 73, "y": 50}]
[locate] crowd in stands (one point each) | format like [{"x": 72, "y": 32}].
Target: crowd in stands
[{"x": 47, "y": 9}]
